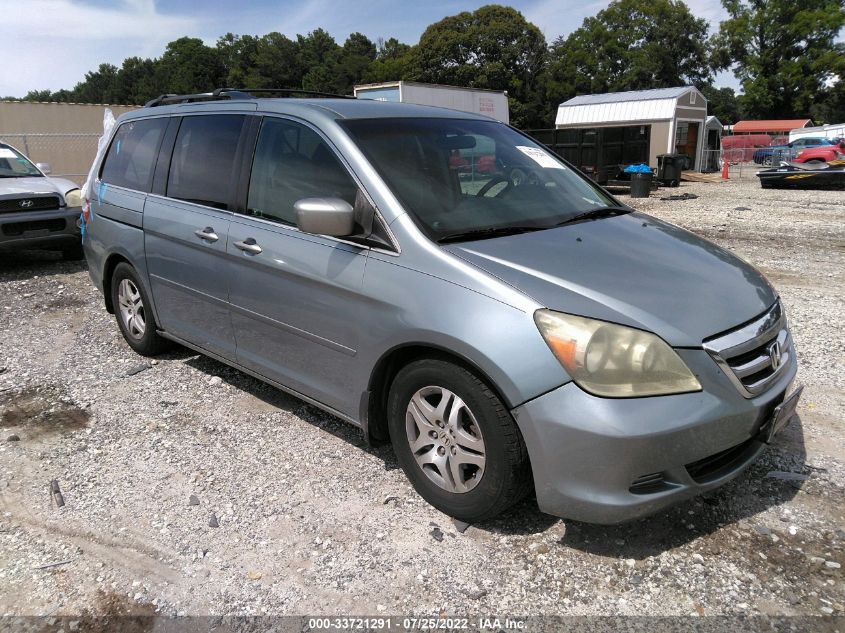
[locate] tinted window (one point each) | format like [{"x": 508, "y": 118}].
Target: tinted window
[
  {"x": 132, "y": 156},
  {"x": 293, "y": 162},
  {"x": 202, "y": 167}
]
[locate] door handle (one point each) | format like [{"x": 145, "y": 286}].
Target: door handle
[
  {"x": 207, "y": 234},
  {"x": 248, "y": 246}
]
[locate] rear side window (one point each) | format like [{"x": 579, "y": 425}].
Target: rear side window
[
  {"x": 131, "y": 159},
  {"x": 293, "y": 162},
  {"x": 202, "y": 167}
]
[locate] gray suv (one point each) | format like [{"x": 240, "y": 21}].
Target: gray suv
[
  {"x": 37, "y": 211},
  {"x": 448, "y": 285}
]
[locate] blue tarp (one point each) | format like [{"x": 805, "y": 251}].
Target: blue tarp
[{"x": 637, "y": 169}]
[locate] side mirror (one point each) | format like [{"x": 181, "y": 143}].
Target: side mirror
[
  {"x": 325, "y": 216},
  {"x": 45, "y": 168}
]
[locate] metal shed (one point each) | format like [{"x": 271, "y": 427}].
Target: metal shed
[{"x": 667, "y": 120}]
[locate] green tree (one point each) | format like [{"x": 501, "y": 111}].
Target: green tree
[
  {"x": 238, "y": 54},
  {"x": 830, "y": 107},
  {"x": 351, "y": 63},
  {"x": 277, "y": 63},
  {"x": 99, "y": 86},
  {"x": 136, "y": 81},
  {"x": 783, "y": 52},
  {"x": 318, "y": 53},
  {"x": 316, "y": 49},
  {"x": 722, "y": 103},
  {"x": 189, "y": 66},
  {"x": 494, "y": 47},
  {"x": 35, "y": 95},
  {"x": 393, "y": 58},
  {"x": 631, "y": 45}
]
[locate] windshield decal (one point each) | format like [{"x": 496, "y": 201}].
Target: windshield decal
[
  {"x": 541, "y": 157},
  {"x": 5, "y": 152}
]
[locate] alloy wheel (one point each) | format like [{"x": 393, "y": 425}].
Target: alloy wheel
[
  {"x": 132, "y": 311},
  {"x": 445, "y": 439}
]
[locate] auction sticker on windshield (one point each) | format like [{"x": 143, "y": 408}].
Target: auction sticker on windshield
[
  {"x": 542, "y": 158},
  {"x": 7, "y": 153}
]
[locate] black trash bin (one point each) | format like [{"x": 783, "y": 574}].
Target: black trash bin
[
  {"x": 641, "y": 185},
  {"x": 669, "y": 168}
]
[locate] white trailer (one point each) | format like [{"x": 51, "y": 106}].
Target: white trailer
[
  {"x": 492, "y": 103},
  {"x": 831, "y": 130}
]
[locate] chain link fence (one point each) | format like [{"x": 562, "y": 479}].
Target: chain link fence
[
  {"x": 69, "y": 155},
  {"x": 741, "y": 161}
]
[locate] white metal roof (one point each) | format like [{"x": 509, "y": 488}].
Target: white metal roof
[
  {"x": 618, "y": 107},
  {"x": 630, "y": 95}
]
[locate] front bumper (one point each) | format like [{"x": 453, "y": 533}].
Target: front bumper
[
  {"x": 53, "y": 229},
  {"x": 603, "y": 460}
]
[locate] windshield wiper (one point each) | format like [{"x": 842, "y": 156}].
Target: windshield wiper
[
  {"x": 594, "y": 214},
  {"x": 482, "y": 234}
]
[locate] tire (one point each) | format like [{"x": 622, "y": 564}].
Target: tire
[
  {"x": 492, "y": 474},
  {"x": 135, "y": 321},
  {"x": 73, "y": 253}
]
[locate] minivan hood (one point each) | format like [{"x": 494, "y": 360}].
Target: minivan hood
[{"x": 631, "y": 269}]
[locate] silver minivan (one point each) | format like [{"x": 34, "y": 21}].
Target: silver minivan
[{"x": 447, "y": 284}]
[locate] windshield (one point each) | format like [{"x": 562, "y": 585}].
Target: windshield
[
  {"x": 460, "y": 177},
  {"x": 13, "y": 164}
]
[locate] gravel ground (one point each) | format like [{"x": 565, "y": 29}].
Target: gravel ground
[{"x": 310, "y": 520}]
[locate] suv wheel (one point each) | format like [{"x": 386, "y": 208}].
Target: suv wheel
[
  {"x": 136, "y": 322},
  {"x": 456, "y": 441}
]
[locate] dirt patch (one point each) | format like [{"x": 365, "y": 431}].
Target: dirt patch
[
  {"x": 116, "y": 612},
  {"x": 65, "y": 302},
  {"x": 38, "y": 412}
]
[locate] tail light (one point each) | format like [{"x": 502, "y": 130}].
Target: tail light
[{"x": 86, "y": 210}]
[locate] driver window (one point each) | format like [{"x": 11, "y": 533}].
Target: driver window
[{"x": 293, "y": 162}]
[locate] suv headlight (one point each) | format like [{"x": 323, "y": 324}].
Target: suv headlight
[
  {"x": 613, "y": 360},
  {"x": 73, "y": 198}
]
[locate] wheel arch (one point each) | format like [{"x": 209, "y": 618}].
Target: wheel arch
[
  {"x": 373, "y": 412},
  {"x": 108, "y": 272}
]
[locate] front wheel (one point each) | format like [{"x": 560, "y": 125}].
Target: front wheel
[
  {"x": 135, "y": 319},
  {"x": 456, "y": 441}
]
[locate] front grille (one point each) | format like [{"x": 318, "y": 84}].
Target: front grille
[
  {"x": 30, "y": 203},
  {"x": 19, "y": 228},
  {"x": 721, "y": 463},
  {"x": 754, "y": 355}
]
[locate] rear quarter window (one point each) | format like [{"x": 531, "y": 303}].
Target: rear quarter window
[{"x": 130, "y": 161}]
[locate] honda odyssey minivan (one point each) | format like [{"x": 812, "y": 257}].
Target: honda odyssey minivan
[{"x": 449, "y": 285}]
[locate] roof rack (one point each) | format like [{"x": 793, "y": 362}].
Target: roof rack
[{"x": 238, "y": 93}]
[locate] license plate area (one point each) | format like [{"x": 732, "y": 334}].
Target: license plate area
[{"x": 781, "y": 416}]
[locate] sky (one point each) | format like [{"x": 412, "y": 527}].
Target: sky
[{"x": 61, "y": 40}]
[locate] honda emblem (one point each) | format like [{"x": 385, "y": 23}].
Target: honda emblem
[{"x": 775, "y": 355}]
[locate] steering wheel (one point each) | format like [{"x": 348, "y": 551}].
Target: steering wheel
[{"x": 495, "y": 180}]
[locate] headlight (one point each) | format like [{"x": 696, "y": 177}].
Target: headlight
[
  {"x": 73, "y": 198},
  {"x": 612, "y": 360}
]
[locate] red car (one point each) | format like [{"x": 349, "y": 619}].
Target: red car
[{"x": 822, "y": 153}]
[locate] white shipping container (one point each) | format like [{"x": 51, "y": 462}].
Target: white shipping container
[{"x": 492, "y": 103}]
